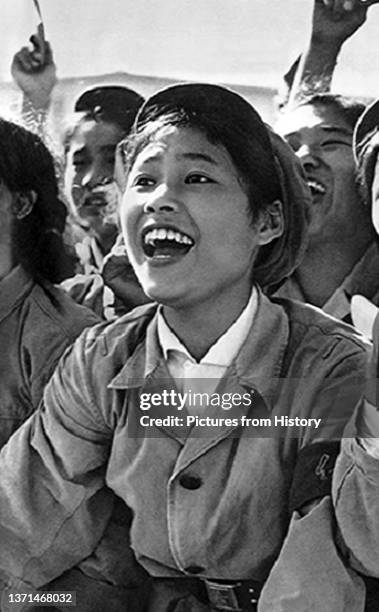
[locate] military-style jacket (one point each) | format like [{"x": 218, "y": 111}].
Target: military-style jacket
[
  {"x": 37, "y": 323},
  {"x": 214, "y": 502}
]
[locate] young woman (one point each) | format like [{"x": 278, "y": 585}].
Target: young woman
[
  {"x": 213, "y": 216},
  {"x": 102, "y": 117},
  {"x": 38, "y": 321}
]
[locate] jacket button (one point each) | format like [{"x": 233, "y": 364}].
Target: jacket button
[
  {"x": 190, "y": 482},
  {"x": 194, "y": 569}
]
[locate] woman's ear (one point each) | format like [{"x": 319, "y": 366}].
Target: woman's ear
[
  {"x": 270, "y": 224},
  {"x": 120, "y": 169},
  {"x": 23, "y": 203}
]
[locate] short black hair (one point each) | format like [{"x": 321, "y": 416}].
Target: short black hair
[{"x": 253, "y": 158}]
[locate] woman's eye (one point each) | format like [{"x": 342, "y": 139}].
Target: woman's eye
[
  {"x": 143, "y": 181},
  {"x": 198, "y": 178}
]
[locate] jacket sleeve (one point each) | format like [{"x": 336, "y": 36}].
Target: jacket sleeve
[
  {"x": 331, "y": 396},
  {"x": 356, "y": 478},
  {"x": 54, "y": 506},
  {"x": 310, "y": 574},
  {"x": 322, "y": 580},
  {"x": 356, "y": 501}
]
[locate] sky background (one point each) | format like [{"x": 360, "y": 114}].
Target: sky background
[{"x": 234, "y": 41}]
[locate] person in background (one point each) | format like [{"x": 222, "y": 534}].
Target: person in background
[
  {"x": 356, "y": 478},
  {"x": 342, "y": 259},
  {"x": 102, "y": 117},
  {"x": 38, "y": 320},
  {"x": 336, "y": 259},
  {"x": 213, "y": 217},
  {"x": 333, "y": 23}
]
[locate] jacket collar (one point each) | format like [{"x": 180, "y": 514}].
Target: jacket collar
[
  {"x": 257, "y": 366},
  {"x": 145, "y": 359},
  {"x": 260, "y": 361},
  {"x": 13, "y": 289}
]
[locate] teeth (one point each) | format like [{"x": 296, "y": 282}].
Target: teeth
[
  {"x": 315, "y": 186},
  {"x": 166, "y": 234}
]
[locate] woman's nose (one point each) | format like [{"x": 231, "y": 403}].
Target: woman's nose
[{"x": 164, "y": 199}]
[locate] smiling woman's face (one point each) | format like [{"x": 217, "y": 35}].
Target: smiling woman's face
[{"x": 186, "y": 220}]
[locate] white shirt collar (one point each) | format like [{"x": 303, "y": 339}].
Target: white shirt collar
[{"x": 227, "y": 346}]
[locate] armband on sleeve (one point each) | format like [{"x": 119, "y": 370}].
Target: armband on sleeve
[{"x": 313, "y": 473}]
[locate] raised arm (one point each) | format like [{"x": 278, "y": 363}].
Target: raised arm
[
  {"x": 333, "y": 22},
  {"x": 34, "y": 71}
]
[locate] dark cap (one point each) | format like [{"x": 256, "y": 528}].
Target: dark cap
[
  {"x": 277, "y": 260},
  {"x": 367, "y": 126},
  {"x": 201, "y": 98},
  {"x": 113, "y": 102}
]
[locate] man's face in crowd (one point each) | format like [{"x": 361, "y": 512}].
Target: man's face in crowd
[{"x": 322, "y": 140}]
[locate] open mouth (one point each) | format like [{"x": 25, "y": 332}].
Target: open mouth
[
  {"x": 316, "y": 187},
  {"x": 165, "y": 243},
  {"x": 97, "y": 204}
]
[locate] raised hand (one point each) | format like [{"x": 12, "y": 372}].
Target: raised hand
[
  {"x": 34, "y": 70},
  {"x": 336, "y": 20},
  {"x": 333, "y": 22}
]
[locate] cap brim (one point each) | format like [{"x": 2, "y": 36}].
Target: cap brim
[{"x": 196, "y": 97}]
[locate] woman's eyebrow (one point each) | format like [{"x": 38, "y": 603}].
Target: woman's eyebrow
[
  {"x": 193, "y": 156},
  {"x": 199, "y": 157}
]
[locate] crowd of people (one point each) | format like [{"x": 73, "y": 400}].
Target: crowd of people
[{"x": 179, "y": 248}]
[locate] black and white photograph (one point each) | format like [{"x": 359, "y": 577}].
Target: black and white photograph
[{"x": 189, "y": 306}]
